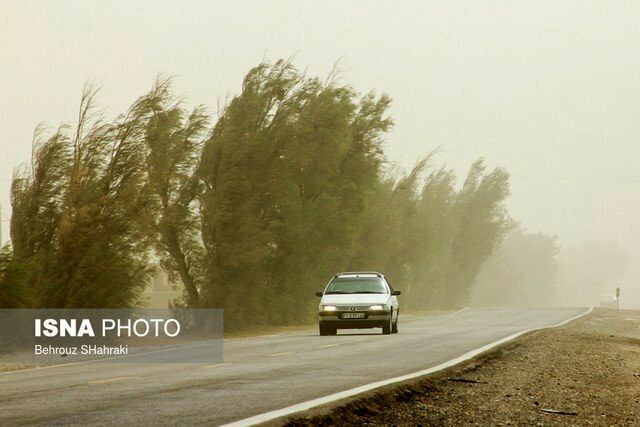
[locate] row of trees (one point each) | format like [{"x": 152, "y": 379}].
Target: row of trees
[{"x": 252, "y": 214}]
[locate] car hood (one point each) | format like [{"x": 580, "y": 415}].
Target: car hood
[{"x": 355, "y": 299}]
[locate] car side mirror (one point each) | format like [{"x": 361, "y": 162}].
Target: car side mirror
[
  {"x": 396, "y": 293},
  {"x": 318, "y": 294}
]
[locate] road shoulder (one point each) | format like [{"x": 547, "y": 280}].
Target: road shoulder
[{"x": 585, "y": 372}]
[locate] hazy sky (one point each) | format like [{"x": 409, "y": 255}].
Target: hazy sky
[{"x": 548, "y": 89}]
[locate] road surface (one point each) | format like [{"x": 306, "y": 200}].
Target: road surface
[{"x": 258, "y": 375}]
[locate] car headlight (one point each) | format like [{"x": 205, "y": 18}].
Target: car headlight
[
  {"x": 377, "y": 307},
  {"x": 329, "y": 308}
]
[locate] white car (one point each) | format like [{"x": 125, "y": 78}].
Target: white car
[{"x": 358, "y": 300}]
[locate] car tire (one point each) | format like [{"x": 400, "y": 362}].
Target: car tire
[
  {"x": 327, "y": 330},
  {"x": 386, "y": 328},
  {"x": 394, "y": 328}
]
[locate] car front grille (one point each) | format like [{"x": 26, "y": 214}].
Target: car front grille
[{"x": 352, "y": 307}]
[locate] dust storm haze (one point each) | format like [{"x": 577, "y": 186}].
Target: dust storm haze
[{"x": 547, "y": 90}]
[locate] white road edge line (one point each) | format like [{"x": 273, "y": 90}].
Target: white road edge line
[
  {"x": 458, "y": 311},
  {"x": 268, "y": 416}
]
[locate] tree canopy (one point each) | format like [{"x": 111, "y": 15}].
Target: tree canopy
[{"x": 289, "y": 185}]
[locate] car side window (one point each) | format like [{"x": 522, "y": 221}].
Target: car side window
[{"x": 389, "y": 285}]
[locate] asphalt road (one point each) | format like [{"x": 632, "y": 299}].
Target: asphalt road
[{"x": 258, "y": 375}]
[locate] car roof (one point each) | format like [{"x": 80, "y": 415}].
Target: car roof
[{"x": 359, "y": 274}]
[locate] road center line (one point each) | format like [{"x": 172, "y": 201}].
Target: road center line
[
  {"x": 329, "y": 345},
  {"x": 279, "y": 354},
  {"x": 215, "y": 365},
  {"x": 110, "y": 380}
]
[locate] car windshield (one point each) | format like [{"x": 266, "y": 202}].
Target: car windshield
[{"x": 356, "y": 285}]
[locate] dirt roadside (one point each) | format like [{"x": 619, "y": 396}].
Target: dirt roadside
[{"x": 587, "y": 372}]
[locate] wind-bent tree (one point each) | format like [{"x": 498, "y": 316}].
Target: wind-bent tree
[
  {"x": 286, "y": 171},
  {"x": 75, "y": 224},
  {"x": 174, "y": 139},
  {"x": 481, "y": 222},
  {"x": 290, "y": 186},
  {"x": 12, "y": 292},
  {"x": 389, "y": 239},
  {"x": 437, "y": 225}
]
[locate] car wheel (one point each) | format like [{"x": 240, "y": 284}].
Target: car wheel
[
  {"x": 386, "y": 328},
  {"x": 394, "y": 328},
  {"x": 327, "y": 330}
]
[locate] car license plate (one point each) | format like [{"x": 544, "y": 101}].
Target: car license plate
[{"x": 352, "y": 315}]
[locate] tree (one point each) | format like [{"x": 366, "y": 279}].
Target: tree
[
  {"x": 481, "y": 222},
  {"x": 75, "y": 224},
  {"x": 436, "y": 225},
  {"x": 290, "y": 186},
  {"x": 174, "y": 140},
  {"x": 12, "y": 293},
  {"x": 286, "y": 171}
]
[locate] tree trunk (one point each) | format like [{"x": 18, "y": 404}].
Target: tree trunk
[{"x": 173, "y": 247}]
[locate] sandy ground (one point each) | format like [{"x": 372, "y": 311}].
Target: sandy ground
[{"x": 587, "y": 372}]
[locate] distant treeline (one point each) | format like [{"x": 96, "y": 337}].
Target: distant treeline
[
  {"x": 521, "y": 272},
  {"x": 252, "y": 213}
]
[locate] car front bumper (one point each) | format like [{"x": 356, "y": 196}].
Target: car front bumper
[{"x": 370, "y": 320}]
